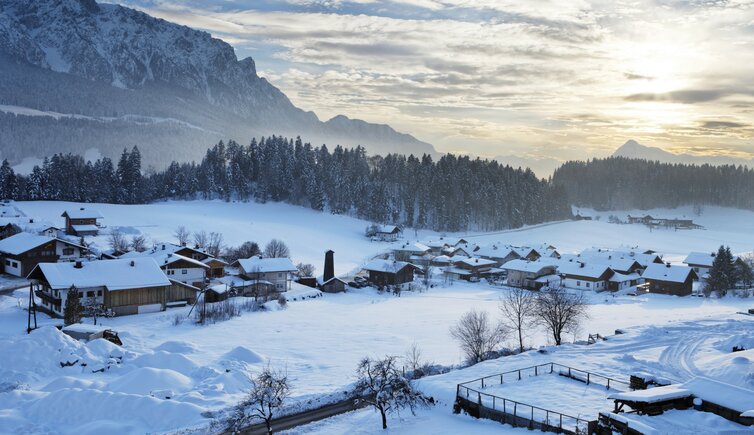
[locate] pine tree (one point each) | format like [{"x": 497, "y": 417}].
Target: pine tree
[{"x": 73, "y": 309}]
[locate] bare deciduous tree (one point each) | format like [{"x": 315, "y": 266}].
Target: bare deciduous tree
[
  {"x": 139, "y": 243},
  {"x": 214, "y": 244},
  {"x": 200, "y": 239},
  {"x": 276, "y": 249},
  {"x": 268, "y": 392},
  {"x": 381, "y": 384},
  {"x": 305, "y": 269},
  {"x": 183, "y": 235},
  {"x": 414, "y": 357},
  {"x": 560, "y": 312},
  {"x": 477, "y": 335},
  {"x": 118, "y": 242},
  {"x": 519, "y": 309}
]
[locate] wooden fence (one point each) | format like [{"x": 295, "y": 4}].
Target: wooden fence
[{"x": 484, "y": 405}]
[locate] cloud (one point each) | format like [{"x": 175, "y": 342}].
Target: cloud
[{"x": 502, "y": 76}]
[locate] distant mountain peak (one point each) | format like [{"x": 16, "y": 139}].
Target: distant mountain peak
[{"x": 634, "y": 150}]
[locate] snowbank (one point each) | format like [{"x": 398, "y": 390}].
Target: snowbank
[
  {"x": 147, "y": 379},
  {"x": 88, "y": 410}
]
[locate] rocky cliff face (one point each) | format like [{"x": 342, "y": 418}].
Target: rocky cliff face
[{"x": 129, "y": 50}]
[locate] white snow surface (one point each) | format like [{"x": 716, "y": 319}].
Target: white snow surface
[{"x": 319, "y": 340}]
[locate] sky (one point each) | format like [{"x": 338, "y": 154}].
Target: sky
[{"x": 565, "y": 79}]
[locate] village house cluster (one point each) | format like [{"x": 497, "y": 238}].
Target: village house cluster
[
  {"x": 538, "y": 266},
  {"x": 56, "y": 260}
]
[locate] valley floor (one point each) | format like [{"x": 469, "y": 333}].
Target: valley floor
[{"x": 320, "y": 341}]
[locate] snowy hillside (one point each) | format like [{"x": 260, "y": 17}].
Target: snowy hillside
[{"x": 55, "y": 49}]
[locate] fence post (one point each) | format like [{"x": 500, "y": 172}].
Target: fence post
[
  {"x": 560, "y": 426},
  {"x": 536, "y": 373},
  {"x": 569, "y": 372},
  {"x": 531, "y": 420},
  {"x": 519, "y": 375},
  {"x": 515, "y": 405},
  {"x": 493, "y": 403},
  {"x": 608, "y": 383},
  {"x": 550, "y": 367},
  {"x": 587, "y": 378},
  {"x": 482, "y": 382},
  {"x": 479, "y": 398},
  {"x": 501, "y": 379}
]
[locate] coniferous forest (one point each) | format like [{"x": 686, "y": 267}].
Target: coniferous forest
[
  {"x": 619, "y": 183},
  {"x": 452, "y": 194}
]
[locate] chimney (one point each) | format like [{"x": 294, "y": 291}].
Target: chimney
[
  {"x": 78, "y": 265},
  {"x": 329, "y": 266},
  {"x": 667, "y": 265}
]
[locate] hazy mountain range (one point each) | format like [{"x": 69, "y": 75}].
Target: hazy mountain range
[
  {"x": 635, "y": 150},
  {"x": 78, "y": 75}
]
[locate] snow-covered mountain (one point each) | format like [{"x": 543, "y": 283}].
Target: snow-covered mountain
[
  {"x": 634, "y": 150},
  {"x": 77, "y": 75}
]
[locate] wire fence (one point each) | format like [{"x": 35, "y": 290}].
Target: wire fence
[{"x": 516, "y": 413}]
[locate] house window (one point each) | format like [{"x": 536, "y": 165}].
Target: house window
[
  {"x": 15, "y": 264},
  {"x": 90, "y": 294},
  {"x": 99, "y": 292},
  {"x": 67, "y": 251},
  {"x": 587, "y": 285},
  {"x": 184, "y": 271},
  {"x": 7, "y": 262},
  {"x": 578, "y": 283}
]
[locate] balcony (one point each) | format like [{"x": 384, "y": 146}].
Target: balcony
[{"x": 47, "y": 297}]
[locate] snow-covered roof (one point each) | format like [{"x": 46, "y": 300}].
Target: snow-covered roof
[
  {"x": 441, "y": 259},
  {"x": 392, "y": 266},
  {"x": 120, "y": 274},
  {"x": 700, "y": 259},
  {"x": 85, "y": 328},
  {"x": 82, "y": 213},
  {"x": 665, "y": 272},
  {"x": 623, "y": 277},
  {"x": 164, "y": 258},
  {"x": 643, "y": 258},
  {"x": 388, "y": 229},
  {"x": 211, "y": 259},
  {"x": 413, "y": 247},
  {"x": 727, "y": 395},
  {"x": 457, "y": 271},
  {"x": 22, "y": 242},
  {"x": 652, "y": 395},
  {"x": 495, "y": 251},
  {"x": 527, "y": 266},
  {"x": 476, "y": 262},
  {"x": 616, "y": 263},
  {"x": 264, "y": 265},
  {"x": 588, "y": 270}
]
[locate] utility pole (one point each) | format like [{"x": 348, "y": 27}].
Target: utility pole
[{"x": 32, "y": 309}]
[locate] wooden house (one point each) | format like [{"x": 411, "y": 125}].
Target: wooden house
[
  {"x": 532, "y": 275},
  {"x": 390, "y": 272},
  {"x": 417, "y": 253},
  {"x": 82, "y": 222},
  {"x": 21, "y": 252},
  {"x": 216, "y": 267},
  {"x": 387, "y": 232},
  {"x": 476, "y": 267},
  {"x": 701, "y": 262},
  {"x": 276, "y": 273},
  {"x": 669, "y": 279},
  {"x": 122, "y": 286}
]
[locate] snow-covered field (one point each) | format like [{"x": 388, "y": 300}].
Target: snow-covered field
[{"x": 319, "y": 341}]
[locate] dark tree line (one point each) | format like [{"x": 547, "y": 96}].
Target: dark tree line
[
  {"x": 619, "y": 183},
  {"x": 454, "y": 193}
]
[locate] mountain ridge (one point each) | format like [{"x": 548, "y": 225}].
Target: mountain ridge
[{"x": 106, "y": 61}]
